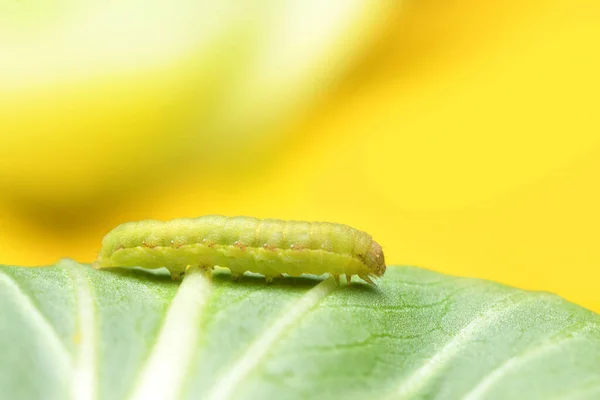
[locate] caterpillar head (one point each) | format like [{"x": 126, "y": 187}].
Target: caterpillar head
[{"x": 376, "y": 260}]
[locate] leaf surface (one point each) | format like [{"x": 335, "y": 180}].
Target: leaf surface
[{"x": 69, "y": 331}]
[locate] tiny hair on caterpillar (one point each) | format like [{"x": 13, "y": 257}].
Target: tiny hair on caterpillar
[{"x": 269, "y": 247}]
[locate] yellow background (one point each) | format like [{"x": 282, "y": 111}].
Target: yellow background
[{"x": 465, "y": 140}]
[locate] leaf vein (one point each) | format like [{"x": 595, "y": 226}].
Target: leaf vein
[
  {"x": 256, "y": 353},
  {"x": 40, "y": 322},
  {"x": 492, "y": 378},
  {"x": 415, "y": 382},
  {"x": 163, "y": 376},
  {"x": 85, "y": 371}
]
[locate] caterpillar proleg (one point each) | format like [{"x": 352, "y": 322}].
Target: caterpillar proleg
[{"x": 266, "y": 246}]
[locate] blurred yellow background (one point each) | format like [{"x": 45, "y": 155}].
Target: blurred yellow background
[{"x": 464, "y": 136}]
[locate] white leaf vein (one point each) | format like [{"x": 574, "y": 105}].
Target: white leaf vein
[
  {"x": 554, "y": 343},
  {"x": 84, "y": 382},
  {"x": 166, "y": 368},
  {"x": 52, "y": 341},
  {"x": 419, "y": 378},
  {"x": 228, "y": 383}
]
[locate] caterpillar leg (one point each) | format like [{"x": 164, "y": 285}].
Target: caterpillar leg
[
  {"x": 176, "y": 275},
  {"x": 336, "y": 278},
  {"x": 348, "y": 278},
  {"x": 235, "y": 276},
  {"x": 269, "y": 278},
  {"x": 367, "y": 279},
  {"x": 208, "y": 270}
]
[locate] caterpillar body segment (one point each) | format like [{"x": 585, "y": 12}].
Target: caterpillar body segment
[{"x": 270, "y": 247}]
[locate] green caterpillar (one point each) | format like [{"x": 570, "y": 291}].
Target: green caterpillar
[{"x": 269, "y": 247}]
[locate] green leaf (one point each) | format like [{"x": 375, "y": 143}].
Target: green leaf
[{"x": 69, "y": 331}]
